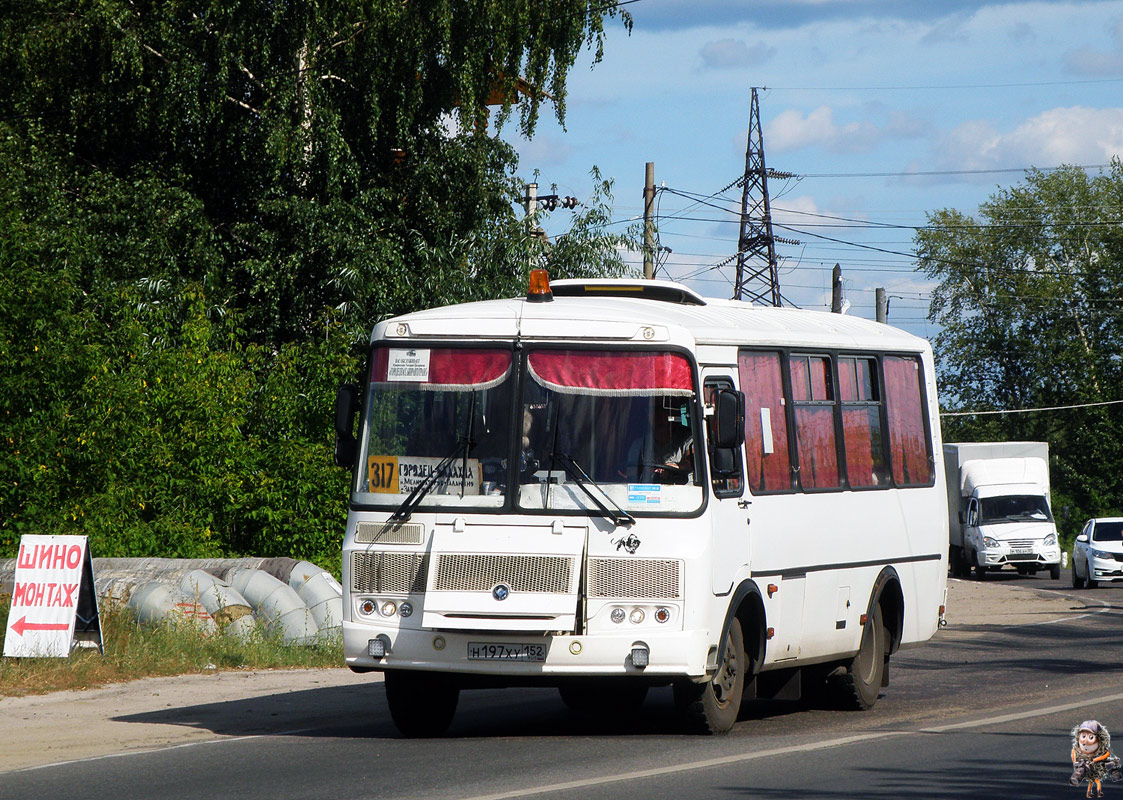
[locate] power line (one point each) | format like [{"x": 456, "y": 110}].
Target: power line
[
  {"x": 935, "y": 173},
  {"x": 1028, "y": 410},
  {"x": 939, "y": 87}
]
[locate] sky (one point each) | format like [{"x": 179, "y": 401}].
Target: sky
[{"x": 886, "y": 110}]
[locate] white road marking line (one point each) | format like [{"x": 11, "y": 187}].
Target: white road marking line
[{"x": 779, "y": 751}]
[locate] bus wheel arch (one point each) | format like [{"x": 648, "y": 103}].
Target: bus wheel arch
[
  {"x": 747, "y": 606},
  {"x": 888, "y": 595},
  {"x": 857, "y": 686},
  {"x": 714, "y": 706}
]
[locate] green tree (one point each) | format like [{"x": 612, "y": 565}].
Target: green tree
[
  {"x": 1028, "y": 304},
  {"x": 325, "y": 143},
  {"x": 205, "y": 206}
]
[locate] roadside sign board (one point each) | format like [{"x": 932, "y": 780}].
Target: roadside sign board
[{"x": 54, "y": 606}]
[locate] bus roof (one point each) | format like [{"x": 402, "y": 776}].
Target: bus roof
[{"x": 672, "y": 314}]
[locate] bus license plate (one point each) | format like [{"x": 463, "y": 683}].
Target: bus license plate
[{"x": 490, "y": 651}]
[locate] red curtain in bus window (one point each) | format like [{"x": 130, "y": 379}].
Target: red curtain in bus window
[
  {"x": 811, "y": 378},
  {"x": 766, "y": 449},
  {"x": 861, "y": 425},
  {"x": 861, "y": 436},
  {"x": 818, "y": 455},
  {"x": 441, "y": 369},
  {"x": 909, "y": 445},
  {"x": 612, "y": 373}
]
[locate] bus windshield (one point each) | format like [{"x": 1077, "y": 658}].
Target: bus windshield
[
  {"x": 438, "y": 420},
  {"x": 608, "y": 428}
]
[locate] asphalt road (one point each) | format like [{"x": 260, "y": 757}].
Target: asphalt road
[{"x": 981, "y": 710}]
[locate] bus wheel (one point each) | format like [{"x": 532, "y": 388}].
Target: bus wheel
[
  {"x": 606, "y": 695},
  {"x": 421, "y": 704},
  {"x": 713, "y": 707},
  {"x": 859, "y": 685}
]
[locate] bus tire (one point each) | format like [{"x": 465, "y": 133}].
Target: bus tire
[
  {"x": 712, "y": 707},
  {"x": 860, "y": 684},
  {"x": 606, "y": 695},
  {"x": 422, "y": 705}
]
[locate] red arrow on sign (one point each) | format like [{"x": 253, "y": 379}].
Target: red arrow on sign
[{"x": 21, "y": 625}]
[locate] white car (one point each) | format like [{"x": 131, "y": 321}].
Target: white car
[{"x": 1098, "y": 552}]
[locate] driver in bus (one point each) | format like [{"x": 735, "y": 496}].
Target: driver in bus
[{"x": 666, "y": 456}]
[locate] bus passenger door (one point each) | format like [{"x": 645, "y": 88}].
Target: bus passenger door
[{"x": 729, "y": 509}]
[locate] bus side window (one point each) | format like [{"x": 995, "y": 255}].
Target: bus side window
[
  {"x": 813, "y": 399},
  {"x": 766, "y": 422},
  {"x": 725, "y": 462},
  {"x": 909, "y": 441}
]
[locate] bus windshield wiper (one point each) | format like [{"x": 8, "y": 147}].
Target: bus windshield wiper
[
  {"x": 618, "y": 515},
  {"x": 464, "y": 446}
]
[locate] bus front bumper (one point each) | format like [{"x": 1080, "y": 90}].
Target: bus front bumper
[{"x": 668, "y": 653}]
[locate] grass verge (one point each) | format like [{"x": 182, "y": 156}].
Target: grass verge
[{"x": 132, "y": 652}]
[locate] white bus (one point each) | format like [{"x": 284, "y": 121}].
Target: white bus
[{"x": 611, "y": 485}]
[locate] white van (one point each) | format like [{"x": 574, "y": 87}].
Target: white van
[{"x": 611, "y": 485}]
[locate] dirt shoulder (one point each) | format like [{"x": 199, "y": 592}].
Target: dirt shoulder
[
  {"x": 1008, "y": 600},
  {"x": 195, "y": 709}
]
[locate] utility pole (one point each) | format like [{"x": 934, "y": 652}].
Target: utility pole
[
  {"x": 757, "y": 272},
  {"x": 648, "y": 221},
  {"x": 531, "y": 201},
  {"x": 882, "y": 306},
  {"x": 836, "y": 289}
]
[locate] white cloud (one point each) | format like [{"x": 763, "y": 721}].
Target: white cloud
[
  {"x": 1075, "y": 135},
  {"x": 791, "y": 130},
  {"x": 733, "y": 53},
  {"x": 1099, "y": 63}
]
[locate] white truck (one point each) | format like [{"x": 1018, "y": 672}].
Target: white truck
[{"x": 999, "y": 509}]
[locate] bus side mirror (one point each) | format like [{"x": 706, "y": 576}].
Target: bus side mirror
[
  {"x": 724, "y": 462},
  {"x": 346, "y": 410},
  {"x": 729, "y": 419}
]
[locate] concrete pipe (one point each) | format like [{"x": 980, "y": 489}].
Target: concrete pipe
[
  {"x": 276, "y": 604},
  {"x": 155, "y": 602},
  {"x": 321, "y": 592},
  {"x": 231, "y": 611}
]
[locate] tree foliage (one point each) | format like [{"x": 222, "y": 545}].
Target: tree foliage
[
  {"x": 205, "y": 206},
  {"x": 1028, "y": 305}
]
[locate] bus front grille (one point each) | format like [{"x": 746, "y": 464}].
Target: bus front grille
[
  {"x": 388, "y": 572},
  {"x": 389, "y": 533},
  {"x": 463, "y": 572},
  {"x": 638, "y": 578}
]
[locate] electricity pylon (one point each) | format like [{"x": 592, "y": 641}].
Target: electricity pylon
[{"x": 758, "y": 276}]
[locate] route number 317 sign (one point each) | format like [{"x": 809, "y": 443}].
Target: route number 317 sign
[{"x": 54, "y": 606}]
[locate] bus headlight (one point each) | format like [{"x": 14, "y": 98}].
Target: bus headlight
[
  {"x": 389, "y": 608},
  {"x": 989, "y": 542},
  {"x": 636, "y": 617},
  {"x": 617, "y": 615},
  {"x": 1051, "y": 540}
]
